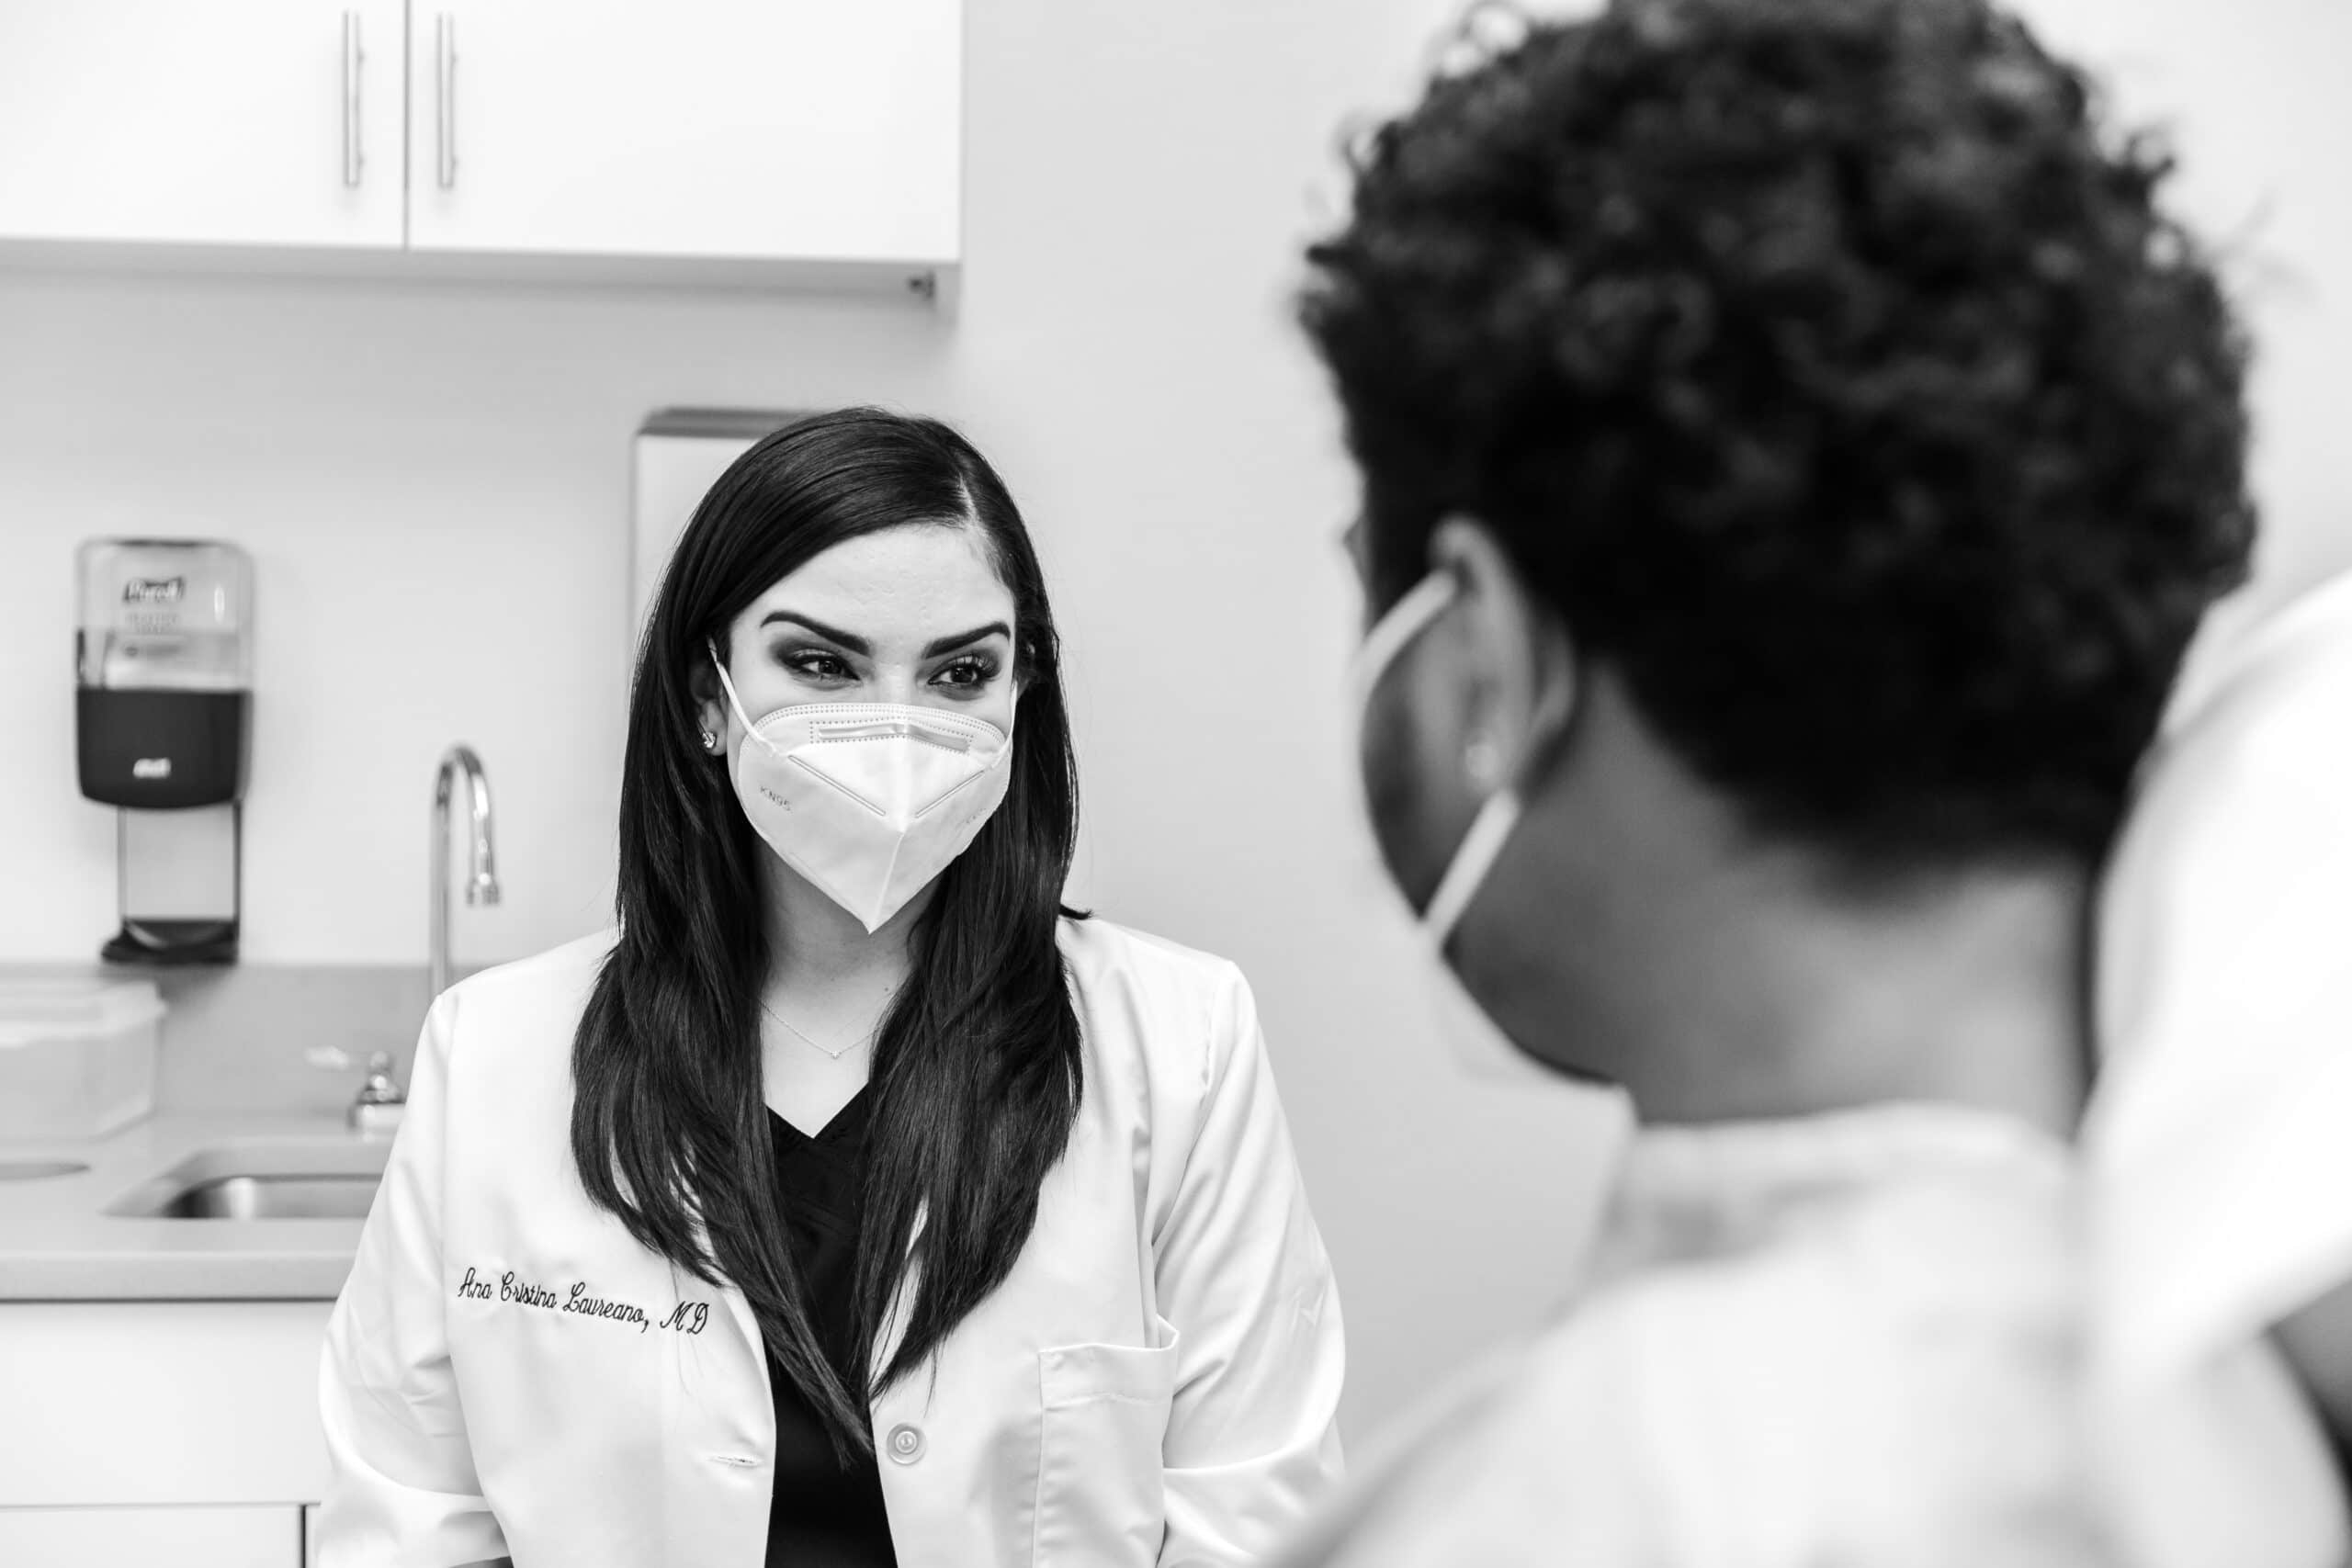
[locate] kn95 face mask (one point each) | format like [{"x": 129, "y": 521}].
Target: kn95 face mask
[{"x": 869, "y": 801}]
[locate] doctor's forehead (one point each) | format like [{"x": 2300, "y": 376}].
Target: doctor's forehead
[{"x": 908, "y": 581}]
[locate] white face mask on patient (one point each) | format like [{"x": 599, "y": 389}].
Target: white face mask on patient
[
  {"x": 869, "y": 801},
  {"x": 1476, "y": 1041}
]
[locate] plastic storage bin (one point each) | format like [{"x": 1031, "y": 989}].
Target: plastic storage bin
[{"x": 77, "y": 1057}]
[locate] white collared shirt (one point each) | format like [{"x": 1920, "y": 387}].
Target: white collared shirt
[{"x": 1852, "y": 1338}]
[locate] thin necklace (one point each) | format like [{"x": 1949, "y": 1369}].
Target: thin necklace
[{"x": 830, "y": 1053}]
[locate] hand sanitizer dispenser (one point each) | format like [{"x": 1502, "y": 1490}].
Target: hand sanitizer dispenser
[{"x": 163, "y": 711}]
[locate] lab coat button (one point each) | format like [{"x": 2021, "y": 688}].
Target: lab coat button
[{"x": 905, "y": 1444}]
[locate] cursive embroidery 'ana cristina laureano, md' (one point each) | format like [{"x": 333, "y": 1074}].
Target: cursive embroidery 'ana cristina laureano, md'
[{"x": 686, "y": 1317}]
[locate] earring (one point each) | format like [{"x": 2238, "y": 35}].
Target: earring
[
  {"x": 1483, "y": 761},
  {"x": 709, "y": 740}
]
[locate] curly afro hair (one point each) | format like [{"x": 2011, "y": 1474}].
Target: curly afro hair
[{"x": 1834, "y": 377}]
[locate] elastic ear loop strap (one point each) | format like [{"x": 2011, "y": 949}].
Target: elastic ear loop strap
[
  {"x": 1481, "y": 846},
  {"x": 1406, "y": 620},
  {"x": 732, "y": 700}
]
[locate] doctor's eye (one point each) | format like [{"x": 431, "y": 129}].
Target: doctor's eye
[
  {"x": 969, "y": 672},
  {"x": 817, "y": 664}
]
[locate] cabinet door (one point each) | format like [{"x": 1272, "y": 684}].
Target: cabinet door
[
  {"x": 136, "y": 1538},
  {"x": 806, "y": 129},
  {"x": 106, "y": 1403},
  {"x": 251, "y": 122}
]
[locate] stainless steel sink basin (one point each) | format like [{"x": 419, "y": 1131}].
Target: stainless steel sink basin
[
  {"x": 274, "y": 1198},
  {"x": 264, "y": 1179}
]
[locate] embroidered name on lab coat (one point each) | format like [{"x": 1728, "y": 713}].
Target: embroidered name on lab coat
[{"x": 686, "y": 1317}]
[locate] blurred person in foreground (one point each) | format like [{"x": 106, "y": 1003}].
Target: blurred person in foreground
[
  {"x": 1797, "y": 447},
  {"x": 2220, "y": 1135}
]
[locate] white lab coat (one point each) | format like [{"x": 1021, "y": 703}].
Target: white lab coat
[{"x": 507, "y": 1372}]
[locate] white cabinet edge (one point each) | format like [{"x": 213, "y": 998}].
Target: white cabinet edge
[{"x": 928, "y": 283}]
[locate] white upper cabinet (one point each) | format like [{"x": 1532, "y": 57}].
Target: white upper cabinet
[
  {"x": 815, "y": 133},
  {"x": 815, "y": 129},
  {"x": 226, "y": 122}
]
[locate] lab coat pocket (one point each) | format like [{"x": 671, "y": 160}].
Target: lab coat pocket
[{"x": 1098, "y": 1467}]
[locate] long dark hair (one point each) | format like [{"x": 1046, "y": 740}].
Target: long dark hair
[{"x": 976, "y": 1070}]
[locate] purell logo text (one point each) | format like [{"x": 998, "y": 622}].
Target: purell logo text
[
  {"x": 152, "y": 768},
  {"x": 155, "y": 589}
]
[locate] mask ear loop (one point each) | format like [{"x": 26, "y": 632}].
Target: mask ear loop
[
  {"x": 732, "y": 700},
  {"x": 1405, "y": 619},
  {"x": 1473, "y": 859},
  {"x": 1497, "y": 817}
]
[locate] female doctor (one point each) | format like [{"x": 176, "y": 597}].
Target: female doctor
[{"x": 853, "y": 1204}]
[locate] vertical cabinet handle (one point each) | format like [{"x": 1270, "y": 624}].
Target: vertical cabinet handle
[
  {"x": 445, "y": 77},
  {"x": 352, "y": 157}
]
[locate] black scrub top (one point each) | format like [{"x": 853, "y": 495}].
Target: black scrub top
[{"x": 823, "y": 1517}]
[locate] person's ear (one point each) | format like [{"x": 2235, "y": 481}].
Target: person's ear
[
  {"x": 710, "y": 703},
  {"x": 1517, "y": 668}
]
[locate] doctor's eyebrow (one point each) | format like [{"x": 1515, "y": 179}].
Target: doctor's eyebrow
[
  {"x": 963, "y": 639},
  {"x": 859, "y": 646},
  {"x": 855, "y": 644}
]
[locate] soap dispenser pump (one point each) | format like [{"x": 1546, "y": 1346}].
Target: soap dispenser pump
[{"x": 163, "y": 721}]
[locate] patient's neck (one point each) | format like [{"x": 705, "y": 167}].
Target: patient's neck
[{"x": 1638, "y": 930}]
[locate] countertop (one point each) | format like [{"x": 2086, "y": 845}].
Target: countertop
[
  {"x": 256, "y": 1063},
  {"x": 59, "y": 1243}
]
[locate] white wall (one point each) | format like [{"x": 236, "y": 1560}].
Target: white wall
[
  {"x": 435, "y": 481},
  {"x": 2252, "y": 97}
]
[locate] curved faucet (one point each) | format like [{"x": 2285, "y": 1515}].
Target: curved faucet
[{"x": 481, "y": 867}]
